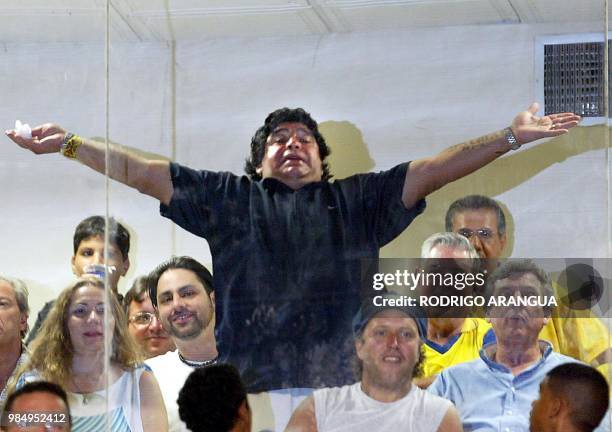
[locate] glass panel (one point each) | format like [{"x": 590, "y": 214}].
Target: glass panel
[
  {"x": 607, "y": 422},
  {"x": 388, "y": 82},
  {"x": 53, "y": 71}
]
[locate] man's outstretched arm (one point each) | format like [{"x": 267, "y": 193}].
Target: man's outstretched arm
[
  {"x": 427, "y": 175},
  {"x": 149, "y": 174}
]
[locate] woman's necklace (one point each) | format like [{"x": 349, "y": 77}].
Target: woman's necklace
[{"x": 87, "y": 396}]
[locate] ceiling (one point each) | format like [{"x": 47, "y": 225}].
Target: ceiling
[{"x": 162, "y": 20}]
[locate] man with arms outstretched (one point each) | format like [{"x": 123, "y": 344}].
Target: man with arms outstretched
[{"x": 287, "y": 248}]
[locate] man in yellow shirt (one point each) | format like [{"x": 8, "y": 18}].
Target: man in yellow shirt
[{"x": 453, "y": 337}]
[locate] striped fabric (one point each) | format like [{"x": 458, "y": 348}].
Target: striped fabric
[{"x": 118, "y": 422}]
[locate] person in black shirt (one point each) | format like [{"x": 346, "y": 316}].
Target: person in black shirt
[{"x": 287, "y": 244}]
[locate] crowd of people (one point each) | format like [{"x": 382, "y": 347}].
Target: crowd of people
[{"x": 284, "y": 334}]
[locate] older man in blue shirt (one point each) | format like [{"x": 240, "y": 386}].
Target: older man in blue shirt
[{"x": 495, "y": 392}]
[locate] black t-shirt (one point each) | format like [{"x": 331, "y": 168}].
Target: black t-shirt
[{"x": 287, "y": 265}]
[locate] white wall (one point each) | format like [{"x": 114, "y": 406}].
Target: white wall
[{"x": 405, "y": 95}]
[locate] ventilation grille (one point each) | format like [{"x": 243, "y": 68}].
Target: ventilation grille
[{"x": 574, "y": 78}]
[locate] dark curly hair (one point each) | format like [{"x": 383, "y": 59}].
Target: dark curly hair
[
  {"x": 211, "y": 397},
  {"x": 284, "y": 115}
]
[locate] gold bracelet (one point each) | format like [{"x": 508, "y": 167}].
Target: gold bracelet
[{"x": 70, "y": 145}]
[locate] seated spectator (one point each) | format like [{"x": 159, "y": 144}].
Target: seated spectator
[
  {"x": 41, "y": 397},
  {"x": 69, "y": 351},
  {"x": 144, "y": 325},
  {"x": 495, "y": 392},
  {"x": 182, "y": 292},
  {"x": 573, "y": 398},
  {"x": 388, "y": 346},
  {"x": 88, "y": 246},
  {"x": 14, "y": 312},
  {"x": 455, "y": 338},
  {"x": 577, "y": 334},
  {"x": 214, "y": 399}
]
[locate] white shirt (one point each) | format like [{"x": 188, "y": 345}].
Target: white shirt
[
  {"x": 349, "y": 409},
  {"x": 171, "y": 374}
]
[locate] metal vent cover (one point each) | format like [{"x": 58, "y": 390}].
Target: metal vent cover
[{"x": 573, "y": 78}]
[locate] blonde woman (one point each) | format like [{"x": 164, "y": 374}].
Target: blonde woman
[{"x": 69, "y": 351}]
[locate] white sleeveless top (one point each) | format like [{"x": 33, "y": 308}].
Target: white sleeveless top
[
  {"x": 349, "y": 409},
  {"x": 89, "y": 410}
]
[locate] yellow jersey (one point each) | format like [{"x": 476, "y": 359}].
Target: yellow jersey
[{"x": 475, "y": 332}]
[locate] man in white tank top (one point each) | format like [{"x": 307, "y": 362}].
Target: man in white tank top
[{"x": 388, "y": 345}]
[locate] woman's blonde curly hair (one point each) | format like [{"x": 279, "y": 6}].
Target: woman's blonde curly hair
[{"x": 51, "y": 351}]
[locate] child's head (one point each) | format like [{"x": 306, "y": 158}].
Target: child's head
[{"x": 88, "y": 244}]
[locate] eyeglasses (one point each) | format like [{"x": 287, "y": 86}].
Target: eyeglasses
[
  {"x": 142, "y": 318},
  {"x": 482, "y": 233}
]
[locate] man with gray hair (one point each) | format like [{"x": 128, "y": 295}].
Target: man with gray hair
[
  {"x": 14, "y": 312},
  {"x": 453, "y": 336},
  {"x": 572, "y": 332},
  {"x": 495, "y": 392}
]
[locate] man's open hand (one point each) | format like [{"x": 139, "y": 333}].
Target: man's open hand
[
  {"x": 528, "y": 127},
  {"x": 46, "y": 138}
]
